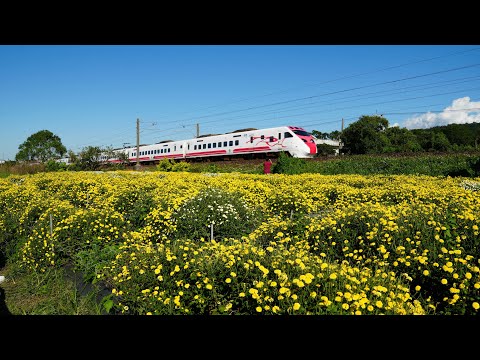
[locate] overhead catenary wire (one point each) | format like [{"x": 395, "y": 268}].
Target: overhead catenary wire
[
  {"x": 184, "y": 128},
  {"x": 315, "y": 96},
  {"x": 340, "y": 78}
]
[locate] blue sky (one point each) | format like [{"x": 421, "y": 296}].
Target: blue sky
[{"x": 91, "y": 95}]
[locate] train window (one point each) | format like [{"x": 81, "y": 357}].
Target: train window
[
  {"x": 204, "y": 146},
  {"x": 230, "y": 143},
  {"x": 219, "y": 144},
  {"x": 251, "y": 139},
  {"x": 236, "y": 135},
  {"x": 194, "y": 147},
  {"x": 175, "y": 148},
  {"x": 169, "y": 149},
  {"x": 181, "y": 146},
  {"x": 214, "y": 145},
  {"x": 279, "y": 136},
  {"x": 209, "y": 146},
  {"x": 225, "y": 143},
  {"x": 188, "y": 147},
  {"x": 271, "y": 138},
  {"x": 262, "y": 137},
  {"x": 288, "y": 135},
  {"x": 236, "y": 142}
]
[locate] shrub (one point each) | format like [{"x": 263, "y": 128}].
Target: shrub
[
  {"x": 53, "y": 165},
  {"x": 172, "y": 165},
  {"x": 228, "y": 212},
  {"x": 289, "y": 165}
]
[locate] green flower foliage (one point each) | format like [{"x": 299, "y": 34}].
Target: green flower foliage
[{"x": 172, "y": 165}]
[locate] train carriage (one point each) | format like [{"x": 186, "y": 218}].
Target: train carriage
[{"x": 241, "y": 143}]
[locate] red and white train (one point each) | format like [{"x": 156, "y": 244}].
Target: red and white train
[{"x": 241, "y": 143}]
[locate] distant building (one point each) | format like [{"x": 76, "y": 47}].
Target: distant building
[
  {"x": 335, "y": 143},
  {"x": 2, "y": 161},
  {"x": 65, "y": 160}
]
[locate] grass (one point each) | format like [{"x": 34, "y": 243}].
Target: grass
[{"x": 49, "y": 293}]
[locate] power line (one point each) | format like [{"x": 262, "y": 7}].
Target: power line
[
  {"x": 476, "y": 109},
  {"x": 348, "y": 107},
  {"x": 342, "y": 78},
  {"x": 330, "y": 93}
]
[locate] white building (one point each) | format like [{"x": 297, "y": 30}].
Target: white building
[{"x": 335, "y": 143}]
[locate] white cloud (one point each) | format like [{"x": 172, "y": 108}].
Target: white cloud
[{"x": 450, "y": 115}]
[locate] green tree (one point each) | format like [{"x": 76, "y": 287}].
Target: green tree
[
  {"x": 111, "y": 153},
  {"x": 334, "y": 135},
  {"x": 365, "y": 136},
  {"x": 319, "y": 134},
  {"x": 440, "y": 141},
  {"x": 432, "y": 139},
  {"x": 72, "y": 156},
  {"x": 89, "y": 158},
  {"x": 325, "y": 149},
  {"x": 424, "y": 138},
  {"x": 41, "y": 146},
  {"x": 401, "y": 140}
]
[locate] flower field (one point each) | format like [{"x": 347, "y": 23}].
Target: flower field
[{"x": 190, "y": 243}]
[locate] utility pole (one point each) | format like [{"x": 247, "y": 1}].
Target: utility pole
[
  {"x": 137, "y": 165},
  {"x": 198, "y": 130},
  {"x": 340, "y": 145}
]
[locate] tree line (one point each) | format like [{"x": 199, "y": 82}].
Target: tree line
[
  {"x": 373, "y": 135},
  {"x": 367, "y": 135},
  {"x": 47, "y": 148}
]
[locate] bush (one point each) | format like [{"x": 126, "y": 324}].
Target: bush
[
  {"x": 289, "y": 165},
  {"x": 228, "y": 212},
  {"x": 53, "y": 165},
  {"x": 171, "y": 165}
]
